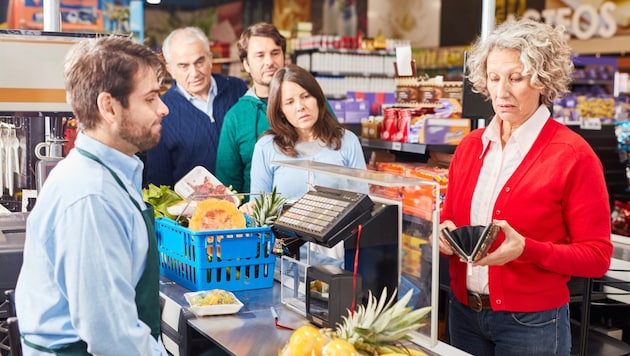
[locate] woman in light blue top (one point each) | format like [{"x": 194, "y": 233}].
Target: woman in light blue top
[{"x": 302, "y": 129}]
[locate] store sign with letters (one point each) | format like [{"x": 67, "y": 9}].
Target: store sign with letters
[{"x": 582, "y": 20}]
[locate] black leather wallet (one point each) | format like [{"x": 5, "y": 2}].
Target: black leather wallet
[{"x": 471, "y": 243}]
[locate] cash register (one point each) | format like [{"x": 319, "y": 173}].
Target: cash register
[{"x": 369, "y": 230}]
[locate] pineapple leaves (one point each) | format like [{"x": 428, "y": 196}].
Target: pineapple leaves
[
  {"x": 383, "y": 321},
  {"x": 267, "y": 207}
]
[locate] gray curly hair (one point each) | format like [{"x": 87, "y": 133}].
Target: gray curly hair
[{"x": 545, "y": 55}]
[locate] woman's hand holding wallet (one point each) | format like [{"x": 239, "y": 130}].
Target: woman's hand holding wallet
[
  {"x": 511, "y": 248},
  {"x": 445, "y": 247}
]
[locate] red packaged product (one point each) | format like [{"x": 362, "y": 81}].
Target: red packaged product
[{"x": 620, "y": 218}]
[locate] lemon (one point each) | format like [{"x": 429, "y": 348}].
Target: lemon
[
  {"x": 339, "y": 347},
  {"x": 306, "y": 341}
]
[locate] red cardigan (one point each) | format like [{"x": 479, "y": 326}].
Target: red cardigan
[{"x": 557, "y": 199}]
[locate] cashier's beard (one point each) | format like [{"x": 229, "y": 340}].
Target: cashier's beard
[{"x": 143, "y": 136}]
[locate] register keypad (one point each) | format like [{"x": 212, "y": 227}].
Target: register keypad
[{"x": 318, "y": 211}]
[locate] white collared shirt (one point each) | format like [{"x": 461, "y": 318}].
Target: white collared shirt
[
  {"x": 202, "y": 105},
  {"x": 498, "y": 166}
]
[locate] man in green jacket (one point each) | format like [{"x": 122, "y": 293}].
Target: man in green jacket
[{"x": 261, "y": 51}]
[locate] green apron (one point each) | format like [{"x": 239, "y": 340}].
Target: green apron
[{"x": 147, "y": 289}]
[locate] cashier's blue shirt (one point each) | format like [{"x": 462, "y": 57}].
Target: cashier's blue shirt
[{"x": 85, "y": 251}]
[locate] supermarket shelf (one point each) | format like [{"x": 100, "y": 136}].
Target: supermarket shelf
[
  {"x": 376, "y": 52},
  {"x": 394, "y": 146},
  {"x": 591, "y": 82},
  {"x": 443, "y": 148},
  {"x": 352, "y": 74},
  {"x": 405, "y": 147}
]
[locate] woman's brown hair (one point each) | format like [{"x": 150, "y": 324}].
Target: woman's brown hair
[{"x": 327, "y": 128}]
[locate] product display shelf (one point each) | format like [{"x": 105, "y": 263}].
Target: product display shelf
[
  {"x": 363, "y": 63},
  {"x": 376, "y": 52},
  {"x": 450, "y": 73},
  {"x": 621, "y": 87},
  {"x": 594, "y": 71},
  {"x": 341, "y": 70},
  {"x": 337, "y": 73},
  {"x": 423, "y": 259},
  {"x": 395, "y": 146},
  {"x": 414, "y": 149},
  {"x": 591, "y": 82},
  {"x": 417, "y": 148},
  {"x": 604, "y": 143},
  {"x": 445, "y": 61}
]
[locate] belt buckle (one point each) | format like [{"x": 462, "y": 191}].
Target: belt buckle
[{"x": 478, "y": 304}]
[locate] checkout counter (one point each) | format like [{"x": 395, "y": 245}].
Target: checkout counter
[
  {"x": 250, "y": 331},
  {"x": 255, "y": 330}
]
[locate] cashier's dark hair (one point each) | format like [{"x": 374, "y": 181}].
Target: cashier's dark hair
[
  {"x": 260, "y": 29},
  {"x": 105, "y": 64},
  {"x": 327, "y": 128}
]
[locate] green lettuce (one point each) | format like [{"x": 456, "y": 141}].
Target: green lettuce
[{"x": 161, "y": 198}]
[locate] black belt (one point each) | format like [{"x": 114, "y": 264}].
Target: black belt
[{"x": 478, "y": 302}]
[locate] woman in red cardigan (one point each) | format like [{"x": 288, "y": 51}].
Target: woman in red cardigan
[{"x": 544, "y": 187}]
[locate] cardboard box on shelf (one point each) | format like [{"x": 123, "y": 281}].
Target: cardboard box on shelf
[
  {"x": 448, "y": 108},
  {"x": 376, "y": 99},
  {"x": 339, "y": 109},
  {"x": 453, "y": 90},
  {"x": 440, "y": 131},
  {"x": 406, "y": 90},
  {"x": 414, "y": 121},
  {"x": 416, "y": 126},
  {"x": 355, "y": 111}
]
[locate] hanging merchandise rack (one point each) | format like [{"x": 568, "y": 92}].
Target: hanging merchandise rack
[
  {"x": 33, "y": 108},
  {"x": 14, "y": 161}
]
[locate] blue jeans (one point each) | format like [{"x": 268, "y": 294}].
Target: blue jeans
[{"x": 488, "y": 333}]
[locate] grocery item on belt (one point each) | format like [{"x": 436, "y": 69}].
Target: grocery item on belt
[{"x": 199, "y": 184}]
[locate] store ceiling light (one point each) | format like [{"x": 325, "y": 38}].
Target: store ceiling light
[{"x": 154, "y": 2}]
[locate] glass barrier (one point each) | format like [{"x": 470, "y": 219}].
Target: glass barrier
[{"x": 417, "y": 201}]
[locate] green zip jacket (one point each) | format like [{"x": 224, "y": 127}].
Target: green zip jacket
[{"x": 243, "y": 124}]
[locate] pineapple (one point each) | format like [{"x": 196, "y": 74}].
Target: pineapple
[
  {"x": 267, "y": 208},
  {"x": 379, "y": 327}
]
